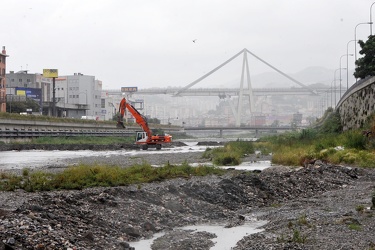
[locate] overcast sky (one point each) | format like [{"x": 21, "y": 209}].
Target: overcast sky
[{"x": 149, "y": 43}]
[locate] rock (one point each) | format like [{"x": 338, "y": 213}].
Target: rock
[{"x": 131, "y": 231}]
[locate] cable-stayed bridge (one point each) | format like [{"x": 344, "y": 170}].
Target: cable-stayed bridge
[{"x": 243, "y": 92}]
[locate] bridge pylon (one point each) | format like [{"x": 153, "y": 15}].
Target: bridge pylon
[{"x": 249, "y": 91}]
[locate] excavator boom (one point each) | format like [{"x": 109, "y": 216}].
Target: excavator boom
[{"x": 145, "y": 138}]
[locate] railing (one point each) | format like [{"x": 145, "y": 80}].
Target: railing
[{"x": 32, "y": 133}]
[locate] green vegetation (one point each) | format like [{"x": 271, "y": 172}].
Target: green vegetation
[
  {"x": 296, "y": 229},
  {"x": 230, "y": 154},
  {"x": 365, "y": 64},
  {"x": 20, "y": 107},
  {"x": 326, "y": 142},
  {"x": 360, "y": 208},
  {"x": 84, "y": 176},
  {"x": 354, "y": 226}
]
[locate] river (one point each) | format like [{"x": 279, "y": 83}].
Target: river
[{"x": 40, "y": 158}]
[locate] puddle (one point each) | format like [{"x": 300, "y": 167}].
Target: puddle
[
  {"x": 251, "y": 166},
  {"x": 226, "y": 237}
]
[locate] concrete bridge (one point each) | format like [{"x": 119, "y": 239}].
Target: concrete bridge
[{"x": 256, "y": 129}]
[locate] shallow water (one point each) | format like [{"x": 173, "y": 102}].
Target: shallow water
[
  {"x": 40, "y": 158},
  {"x": 226, "y": 237}
]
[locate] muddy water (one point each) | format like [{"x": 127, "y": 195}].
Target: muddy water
[{"x": 226, "y": 238}]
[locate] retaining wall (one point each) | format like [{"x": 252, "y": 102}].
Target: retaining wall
[{"x": 357, "y": 104}]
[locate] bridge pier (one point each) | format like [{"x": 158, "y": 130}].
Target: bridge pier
[{"x": 220, "y": 133}]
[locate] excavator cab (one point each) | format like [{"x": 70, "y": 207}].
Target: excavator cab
[{"x": 141, "y": 136}]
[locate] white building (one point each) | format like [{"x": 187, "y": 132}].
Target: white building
[{"x": 79, "y": 90}]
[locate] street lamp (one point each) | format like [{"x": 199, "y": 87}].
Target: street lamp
[
  {"x": 355, "y": 38},
  {"x": 347, "y": 64},
  {"x": 332, "y": 93},
  {"x": 371, "y": 18},
  {"x": 334, "y": 77},
  {"x": 346, "y": 68}
]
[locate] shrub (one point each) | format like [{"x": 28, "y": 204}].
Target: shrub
[{"x": 355, "y": 139}]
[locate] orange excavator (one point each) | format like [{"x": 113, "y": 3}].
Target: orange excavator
[{"x": 144, "y": 138}]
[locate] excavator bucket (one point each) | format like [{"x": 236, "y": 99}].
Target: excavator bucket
[{"x": 120, "y": 123}]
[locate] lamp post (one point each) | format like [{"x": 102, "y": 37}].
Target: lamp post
[
  {"x": 346, "y": 68},
  {"x": 355, "y": 38},
  {"x": 371, "y": 18},
  {"x": 334, "y": 77},
  {"x": 332, "y": 93},
  {"x": 347, "y": 64}
]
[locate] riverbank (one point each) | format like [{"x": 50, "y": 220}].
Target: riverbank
[{"x": 318, "y": 207}]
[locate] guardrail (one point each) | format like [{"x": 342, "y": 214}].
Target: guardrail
[
  {"x": 26, "y": 129},
  {"x": 31, "y": 133}
]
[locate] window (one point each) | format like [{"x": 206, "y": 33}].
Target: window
[
  {"x": 12, "y": 80},
  {"x": 20, "y": 80},
  {"x": 28, "y": 80},
  {"x": 103, "y": 103}
]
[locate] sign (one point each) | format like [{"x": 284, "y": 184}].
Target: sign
[
  {"x": 33, "y": 93},
  {"x": 129, "y": 89},
  {"x": 50, "y": 73}
]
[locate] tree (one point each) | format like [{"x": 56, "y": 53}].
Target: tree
[
  {"x": 365, "y": 66},
  {"x": 19, "y": 107}
]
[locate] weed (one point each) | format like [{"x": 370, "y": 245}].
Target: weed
[
  {"x": 302, "y": 220},
  {"x": 298, "y": 237},
  {"x": 360, "y": 208},
  {"x": 275, "y": 205},
  {"x": 354, "y": 226},
  {"x": 25, "y": 172}
]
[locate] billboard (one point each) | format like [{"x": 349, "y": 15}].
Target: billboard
[
  {"x": 129, "y": 89},
  {"x": 50, "y": 73},
  {"x": 33, "y": 93}
]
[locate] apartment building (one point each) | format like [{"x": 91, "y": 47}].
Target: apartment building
[
  {"x": 81, "y": 91},
  {"x": 3, "y": 82}
]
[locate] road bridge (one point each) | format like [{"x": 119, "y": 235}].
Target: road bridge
[
  {"x": 257, "y": 129},
  {"x": 221, "y": 92}
]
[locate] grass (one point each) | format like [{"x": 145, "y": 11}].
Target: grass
[
  {"x": 354, "y": 226},
  {"x": 230, "y": 154},
  {"x": 326, "y": 143},
  {"x": 85, "y": 176}
]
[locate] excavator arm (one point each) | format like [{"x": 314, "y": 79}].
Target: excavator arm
[{"x": 139, "y": 118}]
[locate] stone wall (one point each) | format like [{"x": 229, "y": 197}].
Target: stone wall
[{"x": 357, "y": 104}]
